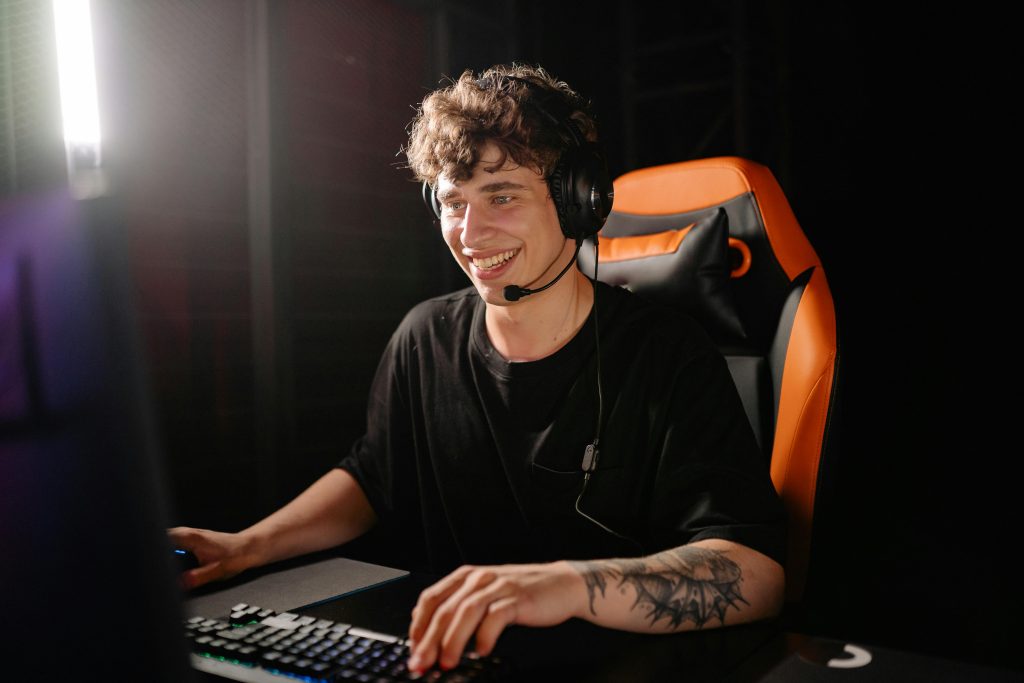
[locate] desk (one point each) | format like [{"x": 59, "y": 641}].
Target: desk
[{"x": 580, "y": 651}]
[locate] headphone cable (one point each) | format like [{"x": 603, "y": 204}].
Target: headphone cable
[{"x": 600, "y": 417}]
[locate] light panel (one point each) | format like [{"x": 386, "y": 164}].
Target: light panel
[{"x": 73, "y": 24}]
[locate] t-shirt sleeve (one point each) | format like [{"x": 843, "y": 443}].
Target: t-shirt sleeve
[
  {"x": 372, "y": 458},
  {"x": 713, "y": 481}
]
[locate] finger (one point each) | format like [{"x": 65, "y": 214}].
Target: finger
[
  {"x": 431, "y": 598},
  {"x": 194, "y": 578},
  {"x": 180, "y": 536},
  {"x": 500, "y": 614},
  {"x": 467, "y": 618},
  {"x": 429, "y": 644},
  {"x": 434, "y": 623}
]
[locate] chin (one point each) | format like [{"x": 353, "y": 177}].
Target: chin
[{"x": 492, "y": 294}]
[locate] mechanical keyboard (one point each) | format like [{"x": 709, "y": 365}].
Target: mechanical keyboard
[{"x": 259, "y": 645}]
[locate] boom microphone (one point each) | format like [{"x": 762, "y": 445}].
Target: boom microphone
[{"x": 515, "y": 292}]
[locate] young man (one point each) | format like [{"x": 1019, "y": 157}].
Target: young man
[{"x": 524, "y": 431}]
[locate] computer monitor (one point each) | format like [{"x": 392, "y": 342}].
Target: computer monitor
[{"x": 88, "y": 585}]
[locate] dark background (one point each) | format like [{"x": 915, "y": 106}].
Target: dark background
[{"x": 276, "y": 241}]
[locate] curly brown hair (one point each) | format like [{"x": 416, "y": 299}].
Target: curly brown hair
[{"x": 454, "y": 123}]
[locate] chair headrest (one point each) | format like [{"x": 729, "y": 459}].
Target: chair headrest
[
  {"x": 687, "y": 267},
  {"x": 714, "y": 237}
]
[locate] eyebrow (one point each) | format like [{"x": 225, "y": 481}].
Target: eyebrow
[{"x": 453, "y": 192}]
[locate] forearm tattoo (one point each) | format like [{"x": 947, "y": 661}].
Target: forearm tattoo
[{"x": 680, "y": 585}]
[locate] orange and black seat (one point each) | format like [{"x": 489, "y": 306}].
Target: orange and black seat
[{"x": 718, "y": 238}]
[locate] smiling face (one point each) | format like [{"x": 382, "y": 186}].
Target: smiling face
[{"x": 502, "y": 227}]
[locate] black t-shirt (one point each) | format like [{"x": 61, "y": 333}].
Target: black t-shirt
[{"x": 469, "y": 458}]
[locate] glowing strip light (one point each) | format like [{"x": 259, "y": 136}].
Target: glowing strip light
[
  {"x": 77, "y": 74},
  {"x": 73, "y": 25}
]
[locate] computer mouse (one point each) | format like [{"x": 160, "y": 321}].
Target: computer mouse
[{"x": 186, "y": 560}]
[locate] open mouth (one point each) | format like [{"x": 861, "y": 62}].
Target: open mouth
[{"x": 492, "y": 262}]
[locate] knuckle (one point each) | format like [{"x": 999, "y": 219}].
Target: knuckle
[
  {"x": 445, "y": 611},
  {"x": 480, "y": 576},
  {"x": 500, "y": 609},
  {"x": 422, "y": 610},
  {"x": 471, "y": 605}
]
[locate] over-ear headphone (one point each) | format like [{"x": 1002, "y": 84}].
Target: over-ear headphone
[{"x": 580, "y": 185}]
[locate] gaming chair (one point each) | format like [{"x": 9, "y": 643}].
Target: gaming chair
[{"x": 717, "y": 238}]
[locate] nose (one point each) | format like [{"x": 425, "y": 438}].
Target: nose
[{"x": 475, "y": 227}]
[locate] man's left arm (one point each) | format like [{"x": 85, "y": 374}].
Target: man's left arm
[{"x": 705, "y": 584}]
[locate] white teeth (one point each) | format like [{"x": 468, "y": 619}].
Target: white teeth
[{"x": 496, "y": 260}]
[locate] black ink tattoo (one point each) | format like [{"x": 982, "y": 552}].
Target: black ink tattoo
[
  {"x": 594, "y": 577},
  {"x": 680, "y": 585}
]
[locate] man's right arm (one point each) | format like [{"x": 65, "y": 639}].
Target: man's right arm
[{"x": 334, "y": 510}]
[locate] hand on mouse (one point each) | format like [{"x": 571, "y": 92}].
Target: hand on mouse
[{"x": 219, "y": 555}]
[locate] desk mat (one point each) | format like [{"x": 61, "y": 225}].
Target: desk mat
[{"x": 284, "y": 589}]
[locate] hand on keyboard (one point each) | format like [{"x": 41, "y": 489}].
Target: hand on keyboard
[{"x": 254, "y": 641}]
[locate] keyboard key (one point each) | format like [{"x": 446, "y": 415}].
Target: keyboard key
[
  {"x": 320, "y": 669},
  {"x": 368, "y": 635},
  {"x": 244, "y": 617},
  {"x": 235, "y": 633},
  {"x": 282, "y": 621}
]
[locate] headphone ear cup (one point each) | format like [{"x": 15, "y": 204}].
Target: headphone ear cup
[
  {"x": 582, "y": 192},
  {"x": 559, "y": 191},
  {"x": 597, "y": 191},
  {"x": 430, "y": 199}
]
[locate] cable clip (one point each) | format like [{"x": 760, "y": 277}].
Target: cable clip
[{"x": 590, "y": 458}]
